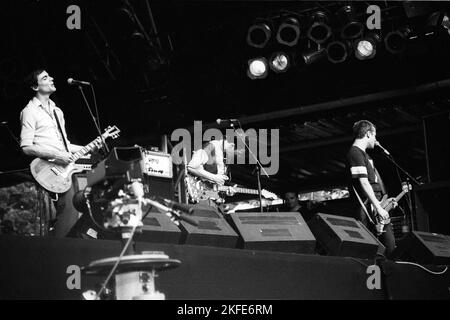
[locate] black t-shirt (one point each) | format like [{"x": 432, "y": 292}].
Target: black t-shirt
[{"x": 360, "y": 165}]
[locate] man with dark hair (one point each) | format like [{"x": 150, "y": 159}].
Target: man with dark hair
[
  {"x": 365, "y": 184},
  {"x": 43, "y": 135}
]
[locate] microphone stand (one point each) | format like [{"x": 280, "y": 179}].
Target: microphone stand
[
  {"x": 409, "y": 177},
  {"x": 257, "y": 168},
  {"x": 93, "y": 119},
  {"x": 5, "y": 124}
]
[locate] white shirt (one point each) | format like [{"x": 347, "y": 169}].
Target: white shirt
[{"x": 39, "y": 126}]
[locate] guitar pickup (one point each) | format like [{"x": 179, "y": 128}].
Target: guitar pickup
[
  {"x": 84, "y": 167},
  {"x": 56, "y": 171}
]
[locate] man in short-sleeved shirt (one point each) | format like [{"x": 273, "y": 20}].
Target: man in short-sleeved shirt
[
  {"x": 41, "y": 138},
  {"x": 366, "y": 182}
]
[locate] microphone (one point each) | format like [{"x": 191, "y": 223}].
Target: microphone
[
  {"x": 73, "y": 82},
  {"x": 227, "y": 121},
  {"x": 188, "y": 219},
  {"x": 381, "y": 147},
  {"x": 184, "y": 208}
]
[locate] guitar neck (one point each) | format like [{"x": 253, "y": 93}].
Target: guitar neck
[
  {"x": 397, "y": 199},
  {"x": 88, "y": 148},
  {"x": 240, "y": 190}
]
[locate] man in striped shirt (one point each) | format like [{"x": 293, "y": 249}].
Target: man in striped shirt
[{"x": 366, "y": 183}]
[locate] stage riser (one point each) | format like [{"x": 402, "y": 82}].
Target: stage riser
[{"x": 36, "y": 268}]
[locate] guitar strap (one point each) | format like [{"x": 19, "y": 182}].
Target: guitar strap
[
  {"x": 60, "y": 130},
  {"x": 363, "y": 206}
]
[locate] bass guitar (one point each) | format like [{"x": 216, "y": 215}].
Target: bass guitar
[
  {"x": 388, "y": 205},
  {"x": 58, "y": 178}
]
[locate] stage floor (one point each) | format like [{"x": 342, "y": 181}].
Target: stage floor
[{"x": 44, "y": 268}]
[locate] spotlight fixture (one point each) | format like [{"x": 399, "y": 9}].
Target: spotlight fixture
[
  {"x": 351, "y": 27},
  {"x": 258, "y": 35},
  {"x": 337, "y": 51},
  {"x": 257, "y": 68},
  {"x": 279, "y": 62},
  {"x": 366, "y": 47},
  {"x": 319, "y": 31},
  {"x": 289, "y": 32},
  {"x": 314, "y": 55},
  {"x": 395, "y": 41}
]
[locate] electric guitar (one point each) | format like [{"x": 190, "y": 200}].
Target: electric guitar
[
  {"x": 204, "y": 190},
  {"x": 388, "y": 205},
  {"x": 58, "y": 178}
]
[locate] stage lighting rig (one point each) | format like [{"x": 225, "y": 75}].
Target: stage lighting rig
[
  {"x": 319, "y": 31},
  {"x": 259, "y": 34},
  {"x": 289, "y": 32},
  {"x": 366, "y": 47},
  {"x": 314, "y": 55},
  {"x": 279, "y": 62},
  {"x": 351, "y": 27},
  {"x": 337, "y": 51},
  {"x": 257, "y": 68},
  {"x": 395, "y": 41}
]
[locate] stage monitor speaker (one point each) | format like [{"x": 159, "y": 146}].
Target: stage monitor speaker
[
  {"x": 424, "y": 248},
  {"x": 212, "y": 230},
  {"x": 158, "y": 228},
  {"x": 381, "y": 248},
  {"x": 274, "y": 231},
  {"x": 343, "y": 236}
]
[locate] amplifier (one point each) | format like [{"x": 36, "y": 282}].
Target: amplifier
[{"x": 158, "y": 164}]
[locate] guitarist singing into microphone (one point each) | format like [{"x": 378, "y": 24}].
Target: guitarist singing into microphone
[
  {"x": 43, "y": 135},
  {"x": 366, "y": 187}
]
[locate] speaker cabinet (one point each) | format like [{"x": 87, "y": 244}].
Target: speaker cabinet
[
  {"x": 212, "y": 229},
  {"x": 424, "y": 248},
  {"x": 158, "y": 186},
  {"x": 273, "y": 231},
  {"x": 432, "y": 207},
  {"x": 343, "y": 236},
  {"x": 159, "y": 228},
  {"x": 381, "y": 248}
]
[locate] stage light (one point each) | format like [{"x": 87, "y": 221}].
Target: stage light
[
  {"x": 395, "y": 41},
  {"x": 279, "y": 62},
  {"x": 319, "y": 31},
  {"x": 366, "y": 47},
  {"x": 351, "y": 27},
  {"x": 258, "y": 35},
  {"x": 314, "y": 55},
  {"x": 257, "y": 68},
  {"x": 289, "y": 32},
  {"x": 337, "y": 51}
]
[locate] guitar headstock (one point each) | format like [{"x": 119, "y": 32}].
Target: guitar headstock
[
  {"x": 406, "y": 187},
  {"x": 112, "y": 132},
  {"x": 269, "y": 195}
]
